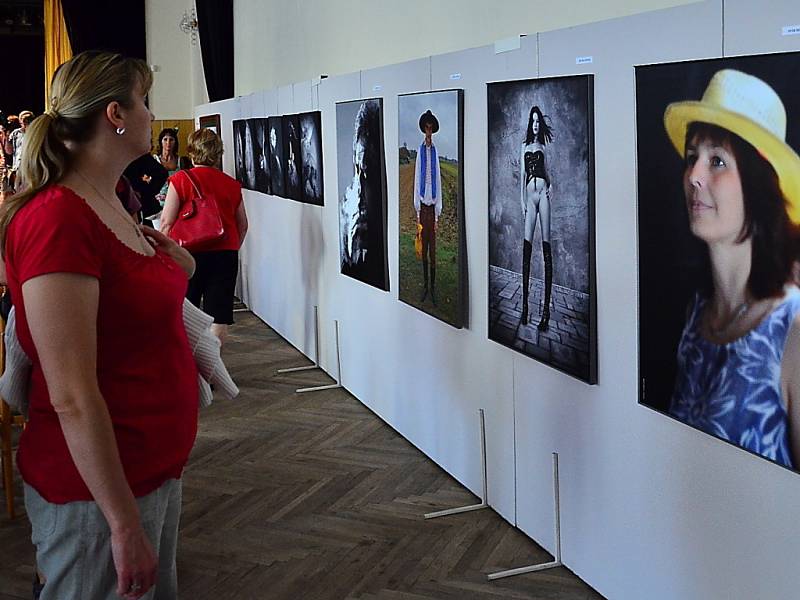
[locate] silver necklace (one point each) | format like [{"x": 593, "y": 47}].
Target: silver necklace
[
  {"x": 125, "y": 216},
  {"x": 738, "y": 313}
]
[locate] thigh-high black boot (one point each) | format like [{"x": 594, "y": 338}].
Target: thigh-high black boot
[
  {"x": 548, "y": 284},
  {"x": 527, "y": 250}
]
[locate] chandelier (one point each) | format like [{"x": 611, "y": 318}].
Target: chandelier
[{"x": 188, "y": 25}]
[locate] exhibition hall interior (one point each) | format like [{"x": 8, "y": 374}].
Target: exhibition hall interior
[{"x": 480, "y": 300}]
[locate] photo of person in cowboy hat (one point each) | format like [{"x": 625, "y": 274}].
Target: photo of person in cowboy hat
[
  {"x": 428, "y": 201},
  {"x": 738, "y": 354}
]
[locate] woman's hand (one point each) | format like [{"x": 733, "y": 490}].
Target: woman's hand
[
  {"x": 549, "y": 192},
  {"x": 169, "y": 246},
  {"x": 135, "y": 562}
]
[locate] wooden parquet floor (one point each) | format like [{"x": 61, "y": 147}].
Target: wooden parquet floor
[{"x": 312, "y": 497}]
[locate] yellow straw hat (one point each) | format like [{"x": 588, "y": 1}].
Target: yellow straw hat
[{"x": 751, "y": 109}]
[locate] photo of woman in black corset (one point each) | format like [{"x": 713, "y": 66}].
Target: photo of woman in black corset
[
  {"x": 536, "y": 191},
  {"x": 540, "y": 142}
]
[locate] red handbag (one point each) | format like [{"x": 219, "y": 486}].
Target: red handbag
[{"x": 199, "y": 224}]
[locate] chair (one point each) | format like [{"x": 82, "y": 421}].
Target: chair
[{"x": 7, "y": 421}]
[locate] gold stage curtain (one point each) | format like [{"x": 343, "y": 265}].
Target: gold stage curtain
[{"x": 57, "y": 48}]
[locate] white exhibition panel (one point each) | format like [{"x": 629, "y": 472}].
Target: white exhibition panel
[
  {"x": 303, "y": 95},
  {"x": 492, "y": 389},
  {"x": 650, "y": 507},
  {"x": 270, "y": 103},
  {"x": 432, "y": 378},
  {"x": 759, "y": 29},
  {"x": 285, "y": 100},
  {"x": 647, "y": 502},
  {"x": 284, "y": 248},
  {"x": 622, "y": 498}
]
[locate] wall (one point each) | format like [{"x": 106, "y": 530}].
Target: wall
[
  {"x": 277, "y": 42},
  {"x": 650, "y": 508},
  {"x": 178, "y": 83}
]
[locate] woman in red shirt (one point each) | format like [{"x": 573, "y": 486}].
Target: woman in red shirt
[
  {"x": 214, "y": 279},
  {"x": 99, "y": 312}
]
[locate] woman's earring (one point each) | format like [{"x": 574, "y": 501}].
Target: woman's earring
[{"x": 120, "y": 130}]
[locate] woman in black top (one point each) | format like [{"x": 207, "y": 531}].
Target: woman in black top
[{"x": 535, "y": 192}]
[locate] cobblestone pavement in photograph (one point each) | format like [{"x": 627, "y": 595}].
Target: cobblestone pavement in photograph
[{"x": 564, "y": 344}]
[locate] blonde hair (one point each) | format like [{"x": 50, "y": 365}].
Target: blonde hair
[
  {"x": 205, "y": 147},
  {"x": 81, "y": 90}
]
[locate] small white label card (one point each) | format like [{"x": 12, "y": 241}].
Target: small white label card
[
  {"x": 791, "y": 30},
  {"x": 377, "y": 87},
  {"x": 455, "y": 76},
  {"x": 584, "y": 60}
]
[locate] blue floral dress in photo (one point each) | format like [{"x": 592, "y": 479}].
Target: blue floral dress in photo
[{"x": 733, "y": 391}]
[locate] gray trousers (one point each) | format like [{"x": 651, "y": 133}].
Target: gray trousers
[{"x": 73, "y": 545}]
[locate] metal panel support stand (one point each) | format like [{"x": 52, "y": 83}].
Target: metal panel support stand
[
  {"x": 557, "y": 527},
  {"x": 316, "y": 348},
  {"x": 483, "y": 504},
  {"x": 338, "y": 383}
]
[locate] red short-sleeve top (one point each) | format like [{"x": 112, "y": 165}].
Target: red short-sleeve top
[
  {"x": 228, "y": 193},
  {"x": 145, "y": 368}
]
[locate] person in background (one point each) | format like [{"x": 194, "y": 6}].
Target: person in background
[
  {"x": 99, "y": 306},
  {"x": 214, "y": 280},
  {"x": 11, "y": 123},
  {"x": 146, "y": 177},
  {"x": 167, "y": 156},
  {"x": 14, "y": 145}
]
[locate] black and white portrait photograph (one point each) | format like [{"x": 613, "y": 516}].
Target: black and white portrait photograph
[
  {"x": 719, "y": 248},
  {"x": 291, "y": 152},
  {"x": 311, "y": 158},
  {"x": 541, "y": 221},
  {"x": 361, "y": 177},
  {"x": 430, "y": 127},
  {"x": 261, "y": 155},
  {"x": 238, "y": 150},
  {"x": 277, "y": 161},
  {"x": 249, "y": 181}
]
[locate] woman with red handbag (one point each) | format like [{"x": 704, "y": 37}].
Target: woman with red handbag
[{"x": 204, "y": 212}]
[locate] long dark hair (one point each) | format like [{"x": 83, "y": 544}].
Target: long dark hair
[
  {"x": 168, "y": 131},
  {"x": 775, "y": 239},
  {"x": 545, "y": 131}
]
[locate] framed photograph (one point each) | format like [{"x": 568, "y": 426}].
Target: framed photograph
[
  {"x": 291, "y": 153},
  {"x": 263, "y": 182},
  {"x": 311, "y": 180},
  {"x": 277, "y": 157},
  {"x": 431, "y": 203},
  {"x": 210, "y": 122},
  {"x": 542, "y": 299},
  {"x": 250, "y": 151},
  {"x": 718, "y": 212},
  {"x": 239, "y": 127},
  {"x": 361, "y": 171}
]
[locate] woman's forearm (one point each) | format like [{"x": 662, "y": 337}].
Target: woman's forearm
[
  {"x": 90, "y": 438},
  {"x": 170, "y": 212}
]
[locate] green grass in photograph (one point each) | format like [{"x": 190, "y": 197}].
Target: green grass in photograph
[{"x": 411, "y": 282}]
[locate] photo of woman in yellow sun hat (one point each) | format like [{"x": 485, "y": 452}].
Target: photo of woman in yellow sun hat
[{"x": 736, "y": 366}]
